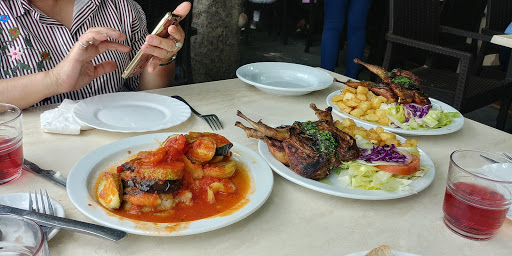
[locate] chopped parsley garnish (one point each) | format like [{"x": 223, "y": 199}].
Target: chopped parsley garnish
[
  {"x": 404, "y": 81},
  {"x": 326, "y": 142}
]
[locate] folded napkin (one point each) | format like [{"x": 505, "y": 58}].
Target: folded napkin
[{"x": 61, "y": 120}]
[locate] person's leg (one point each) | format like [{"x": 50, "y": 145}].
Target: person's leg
[
  {"x": 356, "y": 34},
  {"x": 334, "y": 17}
]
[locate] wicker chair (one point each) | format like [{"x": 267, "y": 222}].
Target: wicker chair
[
  {"x": 499, "y": 16},
  {"x": 416, "y": 24},
  {"x": 154, "y": 11},
  {"x": 462, "y": 14}
]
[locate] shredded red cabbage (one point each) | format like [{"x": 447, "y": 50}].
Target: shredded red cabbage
[
  {"x": 417, "y": 110},
  {"x": 387, "y": 153}
]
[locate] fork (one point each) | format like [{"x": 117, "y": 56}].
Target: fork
[
  {"x": 212, "y": 119},
  {"x": 45, "y": 229},
  {"x": 507, "y": 156}
]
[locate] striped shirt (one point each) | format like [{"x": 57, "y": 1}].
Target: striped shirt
[{"x": 30, "y": 41}]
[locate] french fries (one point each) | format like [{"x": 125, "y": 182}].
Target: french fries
[
  {"x": 363, "y": 104},
  {"x": 376, "y": 136}
]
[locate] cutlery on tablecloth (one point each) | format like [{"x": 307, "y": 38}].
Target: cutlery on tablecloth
[
  {"x": 51, "y": 175},
  {"x": 507, "y": 156},
  {"x": 494, "y": 161},
  {"x": 212, "y": 119},
  {"x": 67, "y": 224},
  {"x": 489, "y": 159},
  {"x": 32, "y": 207}
]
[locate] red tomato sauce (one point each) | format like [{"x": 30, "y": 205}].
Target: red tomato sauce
[{"x": 225, "y": 203}]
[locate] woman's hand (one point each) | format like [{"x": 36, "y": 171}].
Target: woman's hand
[
  {"x": 77, "y": 70},
  {"x": 163, "y": 49}
]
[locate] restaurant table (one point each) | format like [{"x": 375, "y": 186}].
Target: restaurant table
[{"x": 294, "y": 220}]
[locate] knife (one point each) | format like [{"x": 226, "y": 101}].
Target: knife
[
  {"x": 52, "y": 175},
  {"x": 64, "y": 223},
  {"x": 489, "y": 159}
]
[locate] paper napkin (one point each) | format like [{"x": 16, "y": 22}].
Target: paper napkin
[{"x": 61, "y": 120}]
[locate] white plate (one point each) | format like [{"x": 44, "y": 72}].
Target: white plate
[
  {"x": 82, "y": 178},
  {"x": 456, "y": 124},
  {"x": 131, "y": 112},
  {"x": 284, "y": 79},
  {"x": 336, "y": 189},
  {"x": 20, "y": 200},
  {"x": 395, "y": 253}
]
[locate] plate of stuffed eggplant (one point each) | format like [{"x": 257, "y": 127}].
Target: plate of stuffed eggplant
[{"x": 170, "y": 184}]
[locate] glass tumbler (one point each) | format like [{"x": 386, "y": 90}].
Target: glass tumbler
[
  {"x": 11, "y": 149},
  {"x": 20, "y": 236},
  {"x": 478, "y": 193}
]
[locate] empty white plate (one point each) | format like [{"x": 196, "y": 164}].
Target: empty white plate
[
  {"x": 131, "y": 112},
  {"x": 284, "y": 79}
]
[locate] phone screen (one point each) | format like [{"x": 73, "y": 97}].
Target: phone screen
[{"x": 139, "y": 62}]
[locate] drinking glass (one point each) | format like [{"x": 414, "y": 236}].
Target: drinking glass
[
  {"x": 11, "y": 149},
  {"x": 478, "y": 193},
  {"x": 20, "y": 236}
]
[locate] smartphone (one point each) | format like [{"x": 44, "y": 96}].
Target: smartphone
[{"x": 141, "y": 59}]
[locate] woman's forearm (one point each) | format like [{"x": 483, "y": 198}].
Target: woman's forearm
[
  {"x": 25, "y": 91},
  {"x": 160, "y": 78}
]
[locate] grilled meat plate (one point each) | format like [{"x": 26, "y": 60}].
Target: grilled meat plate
[
  {"x": 310, "y": 149},
  {"x": 403, "y": 84},
  {"x": 378, "y": 89}
]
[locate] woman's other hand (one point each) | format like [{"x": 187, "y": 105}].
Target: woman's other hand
[
  {"x": 77, "y": 69},
  {"x": 163, "y": 49}
]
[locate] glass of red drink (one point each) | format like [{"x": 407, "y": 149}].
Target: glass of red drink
[
  {"x": 11, "y": 149},
  {"x": 478, "y": 193}
]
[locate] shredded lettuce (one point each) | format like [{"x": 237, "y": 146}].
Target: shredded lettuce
[
  {"x": 397, "y": 112},
  {"x": 363, "y": 173},
  {"x": 414, "y": 117},
  {"x": 360, "y": 176}
]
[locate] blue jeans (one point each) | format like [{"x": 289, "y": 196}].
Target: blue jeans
[{"x": 336, "y": 12}]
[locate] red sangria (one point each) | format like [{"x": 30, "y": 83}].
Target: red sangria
[
  {"x": 478, "y": 193},
  {"x": 11, "y": 149},
  {"x": 11, "y": 159},
  {"x": 473, "y": 210}
]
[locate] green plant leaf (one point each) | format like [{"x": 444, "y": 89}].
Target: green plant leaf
[
  {"x": 28, "y": 42},
  {"x": 40, "y": 66},
  {"x": 25, "y": 66},
  {"x": 14, "y": 70}
]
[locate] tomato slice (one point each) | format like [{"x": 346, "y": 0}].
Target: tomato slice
[{"x": 411, "y": 168}]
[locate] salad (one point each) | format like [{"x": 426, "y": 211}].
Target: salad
[
  {"x": 412, "y": 116},
  {"x": 397, "y": 101},
  {"x": 386, "y": 163}
]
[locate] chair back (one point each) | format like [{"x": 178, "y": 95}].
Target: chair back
[
  {"x": 418, "y": 19},
  {"x": 499, "y": 15},
  {"x": 463, "y": 14}
]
